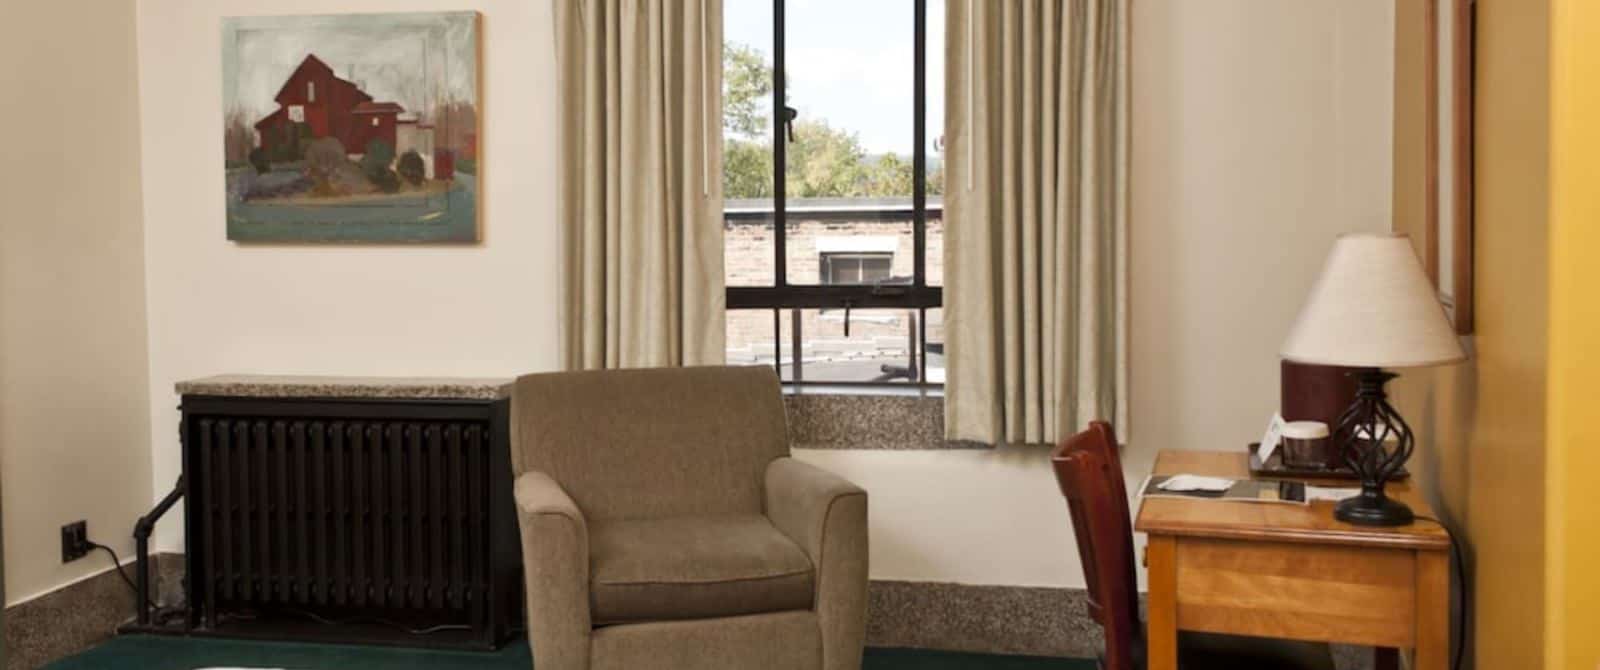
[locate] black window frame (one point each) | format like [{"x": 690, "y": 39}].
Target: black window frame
[{"x": 916, "y": 296}]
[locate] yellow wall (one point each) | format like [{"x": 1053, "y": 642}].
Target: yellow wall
[
  {"x": 1508, "y": 441},
  {"x": 1572, "y": 612},
  {"x": 1504, "y": 517},
  {"x": 72, "y": 317},
  {"x": 1481, "y": 425}
]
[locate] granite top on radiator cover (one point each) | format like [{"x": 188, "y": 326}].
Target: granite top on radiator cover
[
  {"x": 287, "y": 386},
  {"x": 817, "y": 419}
]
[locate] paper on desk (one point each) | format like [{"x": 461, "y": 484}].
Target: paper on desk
[
  {"x": 1195, "y": 483},
  {"x": 1270, "y": 440},
  {"x": 1331, "y": 493}
]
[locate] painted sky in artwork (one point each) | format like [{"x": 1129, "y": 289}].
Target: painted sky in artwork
[{"x": 417, "y": 60}]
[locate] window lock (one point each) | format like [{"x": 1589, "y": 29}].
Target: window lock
[{"x": 789, "y": 115}]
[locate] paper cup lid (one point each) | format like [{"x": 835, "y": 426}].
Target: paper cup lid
[{"x": 1305, "y": 430}]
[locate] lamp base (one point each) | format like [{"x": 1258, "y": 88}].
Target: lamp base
[
  {"x": 1364, "y": 429},
  {"x": 1373, "y": 508}
]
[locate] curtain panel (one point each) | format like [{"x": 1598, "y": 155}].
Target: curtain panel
[
  {"x": 641, "y": 182},
  {"x": 1036, "y": 211}
]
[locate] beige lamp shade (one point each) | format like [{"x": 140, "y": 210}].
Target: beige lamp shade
[{"x": 1373, "y": 307}]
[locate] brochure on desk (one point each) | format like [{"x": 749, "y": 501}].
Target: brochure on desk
[{"x": 1243, "y": 490}]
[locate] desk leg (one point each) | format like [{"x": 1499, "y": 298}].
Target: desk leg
[
  {"x": 1386, "y": 658},
  {"x": 1433, "y": 610},
  {"x": 1162, "y": 627}
]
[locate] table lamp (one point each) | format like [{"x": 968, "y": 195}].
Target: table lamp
[{"x": 1373, "y": 308}]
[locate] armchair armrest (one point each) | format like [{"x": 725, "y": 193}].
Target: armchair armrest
[
  {"x": 827, "y": 516},
  {"x": 555, "y": 557},
  {"x": 800, "y": 498}
]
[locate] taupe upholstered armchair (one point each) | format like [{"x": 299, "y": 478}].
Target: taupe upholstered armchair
[{"x": 665, "y": 526}]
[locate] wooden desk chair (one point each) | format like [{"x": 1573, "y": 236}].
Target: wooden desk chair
[{"x": 1090, "y": 475}]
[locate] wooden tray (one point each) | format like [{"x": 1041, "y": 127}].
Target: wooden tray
[{"x": 1274, "y": 467}]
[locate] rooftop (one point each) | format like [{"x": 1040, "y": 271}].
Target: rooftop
[{"x": 764, "y": 205}]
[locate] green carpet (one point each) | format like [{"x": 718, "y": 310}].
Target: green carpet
[{"x": 139, "y": 652}]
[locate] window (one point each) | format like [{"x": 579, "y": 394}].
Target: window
[
  {"x": 848, "y": 268},
  {"x": 311, "y": 91},
  {"x": 833, "y": 181},
  {"x": 297, "y": 113}
]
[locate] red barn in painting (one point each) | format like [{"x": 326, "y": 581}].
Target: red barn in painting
[{"x": 323, "y": 105}]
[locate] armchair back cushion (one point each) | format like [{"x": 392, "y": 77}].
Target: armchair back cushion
[{"x": 653, "y": 443}]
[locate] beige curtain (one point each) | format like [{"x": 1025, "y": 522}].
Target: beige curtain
[
  {"x": 641, "y": 191},
  {"x": 1036, "y": 210}
]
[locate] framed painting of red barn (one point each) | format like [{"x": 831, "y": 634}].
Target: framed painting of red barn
[{"x": 351, "y": 128}]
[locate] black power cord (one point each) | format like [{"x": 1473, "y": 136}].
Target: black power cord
[
  {"x": 359, "y": 620},
  {"x": 1458, "y": 557},
  {"x": 116, "y": 562},
  {"x": 376, "y": 620}
]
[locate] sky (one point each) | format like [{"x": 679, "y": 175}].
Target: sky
[
  {"x": 850, "y": 63},
  {"x": 414, "y": 59}
]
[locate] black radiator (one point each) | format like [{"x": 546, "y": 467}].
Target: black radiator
[{"x": 351, "y": 520}]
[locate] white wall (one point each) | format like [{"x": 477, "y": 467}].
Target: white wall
[
  {"x": 1260, "y": 131},
  {"x": 72, "y": 317},
  {"x": 216, "y": 306}
]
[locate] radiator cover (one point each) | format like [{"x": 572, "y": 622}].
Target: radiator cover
[{"x": 375, "y": 521}]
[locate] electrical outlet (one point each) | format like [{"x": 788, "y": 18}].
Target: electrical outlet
[{"x": 74, "y": 541}]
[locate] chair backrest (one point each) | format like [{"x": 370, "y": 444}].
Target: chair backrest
[
  {"x": 1090, "y": 475},
  {"x": 652, "y": 443}
]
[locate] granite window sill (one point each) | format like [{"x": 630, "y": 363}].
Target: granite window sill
[
  {"x": 890, "y": 389},
  {"x": 903, "y": 419}
]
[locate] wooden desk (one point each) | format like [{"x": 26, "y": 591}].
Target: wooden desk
[{"x": 1290, "y": 571}]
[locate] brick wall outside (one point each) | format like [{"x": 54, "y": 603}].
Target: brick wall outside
[{"x": 877, "y": 337}]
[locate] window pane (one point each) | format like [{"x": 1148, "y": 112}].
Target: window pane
[
  {"x": 752, "y": 340},
  {"x": 856, "y": 268},
  {"x": 879, "y": 347},
  {"x": 876, "y": 269},
  {"x": 851, "y": 82},
  {"x": 748, "y": 255},
  {"x": 935, "y": 146},
  {"x": 747, "y": 172},
  {"x": 786, "y": 344},
  {"x": 815, "y": 237},
  {"x": 935, "y": 101},
  {"x": 935, "y": 345}
]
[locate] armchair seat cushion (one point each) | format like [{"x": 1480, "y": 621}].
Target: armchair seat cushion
[{"x": 693, "y": 568}]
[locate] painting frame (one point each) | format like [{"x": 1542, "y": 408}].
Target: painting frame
[
  {"x": 352, "y": 128},
  {"x": 1447, "y": 250}
]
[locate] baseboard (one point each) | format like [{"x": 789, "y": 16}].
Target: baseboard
[
  {"x": 921, "y": 615},
  {"x": 985, "y": 619},
  {"x": 77, "y": 616},
  {"x": 1025, "y": 620}
]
